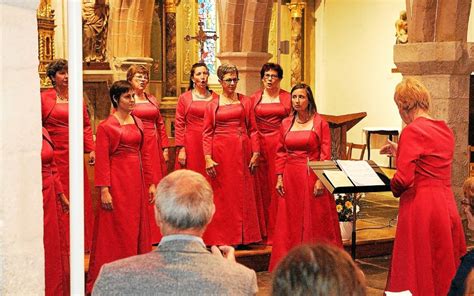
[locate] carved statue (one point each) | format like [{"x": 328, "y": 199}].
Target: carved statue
[
  {"x": 401, "y": 28},
  {"x": 95, "y": 15}
]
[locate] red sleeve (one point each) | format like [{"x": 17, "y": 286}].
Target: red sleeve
[
  {"x": 325, "y": 140},
  {"x": 208, "y": 129},
  {"x": 102, "y": 161},
  {"x": 160, "y": 125},
  {"x": 254, "y": 137},
  {"x": 281, "y": 153},
  {"x": 89, "y": 144},
  {"x": 408, "y": 153},
  {"x": 179, "y": 122}
]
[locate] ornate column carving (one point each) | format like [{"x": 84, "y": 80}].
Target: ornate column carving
[
  {"x": 45, "y": 18},
  {"x": 296, "y": 10}
]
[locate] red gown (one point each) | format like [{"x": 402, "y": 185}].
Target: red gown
[
  {"x": 55, "y": 120},
  {"x": 230, "y": 137},
  {"x": 268, "y": 118},
  {"x": 188, "y": 131},
  {"x": 56, "y": 276},
  {"x": 154, "y": 141},
  {"x": 429, "y": 240},
  {"x": 125, "y": 230},
  {"x": 303, "y": 217}
]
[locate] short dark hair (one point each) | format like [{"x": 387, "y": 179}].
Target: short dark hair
[
  {"x": 312, "y": 103},
  {"x": 191, "y": 73},
  {"x": 271, "y": 66},
  {"x": 318, "y": 270},
  {"x": 54, "y": 67},
  {"x": 117, "y": 89},
  {"x": 134, "y": 69}
]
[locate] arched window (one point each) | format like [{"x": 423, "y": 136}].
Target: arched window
[{"x": 208, "y": 18}]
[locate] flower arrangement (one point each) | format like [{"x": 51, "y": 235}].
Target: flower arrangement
[{"x": 344, "y": 207}]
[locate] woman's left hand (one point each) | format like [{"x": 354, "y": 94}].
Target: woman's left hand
[
  {"x": 254, "y": 162},
  {"x": 165, "y": 154},
  {"x": 318, "y": 188},
  {"x": 92, "y": 158},
  {"x": 152, "y": 193}
]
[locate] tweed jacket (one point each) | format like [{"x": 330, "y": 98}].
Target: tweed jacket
[{"x": 177, "y": 267}]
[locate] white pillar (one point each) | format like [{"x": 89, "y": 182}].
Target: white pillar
[{"x": 76, "y": 147}]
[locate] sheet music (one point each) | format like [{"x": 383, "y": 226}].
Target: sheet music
[
  {"x": 338, "y": 178},
  {"x": 360, "y": 172}
]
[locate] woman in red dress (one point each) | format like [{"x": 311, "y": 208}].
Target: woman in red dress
[
  {"x": 189, "y": 120},
  {"x": 126, "y": 187},
  {"x": 54, "y": 111},
  {"x": 231, "y": 149},
  {"x": 55, "y": 275},
  {"x": 271, "y": 105},
  {"x": 306, "y": 210},
  {"x": 429, "y": 241},
  {"x": 156, "y": 141}
]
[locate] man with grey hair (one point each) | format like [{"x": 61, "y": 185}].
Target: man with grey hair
[{"x": 181, "y": 265}]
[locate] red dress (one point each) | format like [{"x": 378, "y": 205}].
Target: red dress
[
  {"x": 188, "y": 131},
  {"x": 55, "y": 120},
  {"x": 229, "y": 136},
  {"x": 56, "y": 276},
  {"x": 303, "y": 217},
  {"x": 268, "y": 117},
  {"x": 125, "y": 230},
  {"x": 154, "y": 142},
  {"x": 429, "y": 240}
]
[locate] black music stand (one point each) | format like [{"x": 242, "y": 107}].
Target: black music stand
[{"x": 320, "y": 166}]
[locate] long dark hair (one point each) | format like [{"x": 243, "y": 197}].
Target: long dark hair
[
  {"x": 312, "y": 109},
  {"x": 191, "y": 74}
]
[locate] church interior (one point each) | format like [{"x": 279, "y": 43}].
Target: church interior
[{"x": 351, "y": 52}]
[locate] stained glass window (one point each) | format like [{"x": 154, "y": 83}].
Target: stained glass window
[{"x": 207, "y": 16}]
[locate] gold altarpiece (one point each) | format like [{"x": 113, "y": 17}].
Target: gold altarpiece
[{"x": 45, "y": 18}]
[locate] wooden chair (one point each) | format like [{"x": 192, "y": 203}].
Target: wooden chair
[
  {"x": 351, "y": 146},
  {"x": 470, "y": 151}
]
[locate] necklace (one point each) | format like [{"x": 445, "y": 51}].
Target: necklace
[
  {"x": 299, "y": 121},
  {"x": 198, "y": 96},
  {"x": 227, "y": 101}
]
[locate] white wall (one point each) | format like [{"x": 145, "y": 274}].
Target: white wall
[
  {"x": 21, "y": 208},
  {"x": 354, "y": 56},
  {"x": 470, "y": 28}
]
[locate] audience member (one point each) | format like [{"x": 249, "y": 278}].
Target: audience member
[
  {"x": 181, "y": 265},
  {"x": 459, "y": 283},
  {"x": 318, "y": 270}
]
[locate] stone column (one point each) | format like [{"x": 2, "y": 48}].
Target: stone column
[
  {"x": 249, "y": 65},
  {"x": 296, "y": 10},
  {"x": 444, "y": 68},
  {"x": 170, "y": 48}
]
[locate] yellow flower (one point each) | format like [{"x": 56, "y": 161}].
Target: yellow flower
[
  {"x": 338, "y": 208},
  {"x": 348, "y": 205}
]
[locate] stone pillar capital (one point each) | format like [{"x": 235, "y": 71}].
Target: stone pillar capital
[
  {"x": 425, "y": 58},
  {"x": 296, "y": 8},
  {"x": 121, "y": 65},
  {"x": 249, "y": 65}
]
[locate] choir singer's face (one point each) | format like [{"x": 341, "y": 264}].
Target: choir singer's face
[
  {"x": 271, "y": 80},
  {"x": 126, "y": 102},
  {"x": 139, "y": 81},
  {"x": 61, "y": 78},
  {"x": 200, "y": 76},
  {"x": 299, "y": 100},
  {"x": 229, "y": 82}
]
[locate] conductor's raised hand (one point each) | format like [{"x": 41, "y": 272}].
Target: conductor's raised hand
[{"x": 390, "y": 148}]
